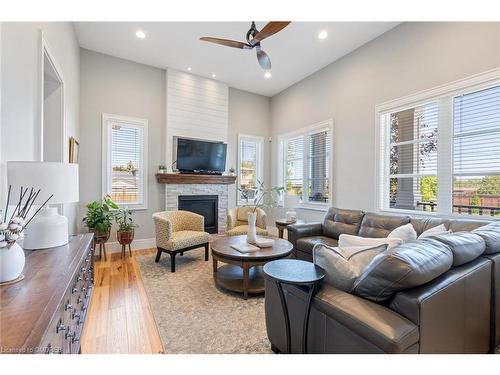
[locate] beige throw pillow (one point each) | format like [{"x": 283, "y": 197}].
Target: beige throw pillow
[
  {"x": 405, "y": 232},
  {"x": 343, "y": 265},
  {"x": 348, "y": 240}
]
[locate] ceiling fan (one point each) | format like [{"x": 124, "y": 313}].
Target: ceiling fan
[{"x": 254, "y": 37}]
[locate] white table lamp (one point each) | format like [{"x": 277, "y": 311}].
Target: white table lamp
[{"x": 48, "y": 228}]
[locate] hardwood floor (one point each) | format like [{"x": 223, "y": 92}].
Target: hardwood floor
[{"x": 119, "y": 318}]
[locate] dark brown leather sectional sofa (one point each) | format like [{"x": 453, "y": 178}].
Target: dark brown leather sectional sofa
[{"x": 456, "y": 312}]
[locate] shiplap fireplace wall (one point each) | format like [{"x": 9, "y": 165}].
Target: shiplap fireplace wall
[{"x": 197, "y": 108}]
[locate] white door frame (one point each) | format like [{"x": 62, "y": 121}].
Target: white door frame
[{"x": 46, "y": 51}]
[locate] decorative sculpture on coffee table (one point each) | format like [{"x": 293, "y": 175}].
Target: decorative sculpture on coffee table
[{"x": 12, "y": 257}]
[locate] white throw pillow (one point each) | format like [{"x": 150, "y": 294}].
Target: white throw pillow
[
  {"x": 434, "y": 231},
  {"x": 405, "y": 232},
  {"x": 348, "y": 240},
  {"x": 344, "y": 265}
]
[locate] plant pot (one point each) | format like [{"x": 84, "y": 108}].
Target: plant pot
[
  {"x": 100, "y": 237},
  {"x": 12, "y": 261},
  {"x": 125, "y": 237},
  {"x": 252, "y": 230}
]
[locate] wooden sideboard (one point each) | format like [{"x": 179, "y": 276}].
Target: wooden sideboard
[{"x": 45, "y": 312}]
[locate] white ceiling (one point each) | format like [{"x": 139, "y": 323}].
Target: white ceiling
[{"x": 295, "y": 52}]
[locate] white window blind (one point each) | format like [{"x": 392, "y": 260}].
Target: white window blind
[
  {"x": 443, "y": 155},
  {"x": 307, "y": 164},
  {"x": 476, "y": 152},
  {"x": 250, "y": 168},
  {"x": 125, "y": 172},
  {"x": 412, "y": 164}
]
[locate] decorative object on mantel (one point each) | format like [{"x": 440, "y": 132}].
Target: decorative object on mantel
[
  {"x": 74, "y": 150},
  {"x": 291, "y": 201},
  {"x": 12, "y": 257},
  {"x": 99, "y": 221},
  {"x": 185, "y": 178},
  {"x": 125, "y": 232},
  {"x": 49, "y": 229},
  {"x": 261, "y": 197},
  {"x": 232, "y": 171},
  {"x": 162, "y": 168}
]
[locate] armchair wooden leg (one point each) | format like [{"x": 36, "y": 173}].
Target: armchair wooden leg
[
  {"x": 172, "y": 261},
  {"x": 207, "y": 247},
  {"x": 158, "y": 255}
]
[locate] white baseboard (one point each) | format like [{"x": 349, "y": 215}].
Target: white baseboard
[{"x": 144, "y": 243}]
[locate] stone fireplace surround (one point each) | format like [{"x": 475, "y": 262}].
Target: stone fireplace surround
[{"x": 173, "y": 191}]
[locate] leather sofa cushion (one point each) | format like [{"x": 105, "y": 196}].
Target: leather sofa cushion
[
  {"x": 379, "y": 325},
  {"x": 491, "y": 235},
  {"x": 465, "y": 246},
  {"x": 306, "y": 244},
  {"x": 406, "y": 266},
  {"x": 465, "y": 225},
  {"x": 421, "y": 224},
  {"x": 378, "y": 225},
  {"x": 338, "y": 221}
]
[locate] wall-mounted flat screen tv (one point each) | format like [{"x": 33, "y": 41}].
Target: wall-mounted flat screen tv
[{"x": 200, "y": 156}]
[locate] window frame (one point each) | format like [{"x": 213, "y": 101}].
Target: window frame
[
  {"x": 326, "y": 125},
  {"x": 107, "y": 120},
  {"x": 443, "y": 95},
  {"x": 259, "y": 165}
]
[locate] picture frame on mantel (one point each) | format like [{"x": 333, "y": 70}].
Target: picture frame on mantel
[{"x": 74, "y": 150}]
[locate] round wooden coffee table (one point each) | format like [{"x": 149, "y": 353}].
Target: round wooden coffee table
[{"x": 243, "y": 271}]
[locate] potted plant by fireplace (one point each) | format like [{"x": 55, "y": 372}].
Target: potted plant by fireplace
[
  {"x": 125, "y": 232},
  {"x": 99, "y": 220},
  {"x": 259, "y": 196}
]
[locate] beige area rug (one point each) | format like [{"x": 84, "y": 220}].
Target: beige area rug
[{"x": 194, "y": 316}]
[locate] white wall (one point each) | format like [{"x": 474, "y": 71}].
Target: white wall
[
  {"x": 409, "y": 58},
  {"x": 21, "y": 101},
  {"x": 120, "y": 87},
  {"x": 196, "y": 108}
]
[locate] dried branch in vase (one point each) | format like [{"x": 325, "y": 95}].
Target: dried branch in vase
[{"x": 13, "y": 229}]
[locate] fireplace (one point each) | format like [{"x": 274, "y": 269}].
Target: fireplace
[{"x": 205, "y": 205}]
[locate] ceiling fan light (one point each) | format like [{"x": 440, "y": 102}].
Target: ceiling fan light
[{"x": 268, "y": 75}]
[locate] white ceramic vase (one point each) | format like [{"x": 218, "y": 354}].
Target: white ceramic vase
[
  {"x": 252, "y": 230},
  {"x": 11, "y": 262}
]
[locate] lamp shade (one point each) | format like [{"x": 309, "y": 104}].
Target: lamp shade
[{"x": 59, "y": 179}]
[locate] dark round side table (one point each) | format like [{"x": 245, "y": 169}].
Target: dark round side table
[
  {"x": 282, "y": 224},
  {"x": 295, "y": 272}
]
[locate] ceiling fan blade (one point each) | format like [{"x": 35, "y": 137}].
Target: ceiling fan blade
[
  {"x": 264, "y": 60},
  {"x": 270, "y": 29},
  {"x": 226, "y": 42}
]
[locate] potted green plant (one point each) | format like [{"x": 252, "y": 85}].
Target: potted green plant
[
  {"x": 126, "y": 225},
  {"x": 99, "y": 218}
]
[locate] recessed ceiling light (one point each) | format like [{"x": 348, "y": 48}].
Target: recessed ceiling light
[
  {"x": 188, "y": 68},
  {"x": 322, "y": 35},
  {"x": 140, "y": 34},
  {"x": 213, "y": 75},
  {"x": 268, "y": 75}
]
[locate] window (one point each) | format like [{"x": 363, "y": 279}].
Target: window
[
  {"x": 442, "y": 154},
  {"x": 306, "y": 163},
  {"x": 124, "y": 160},
  {"x": 250, "y": 168}
]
